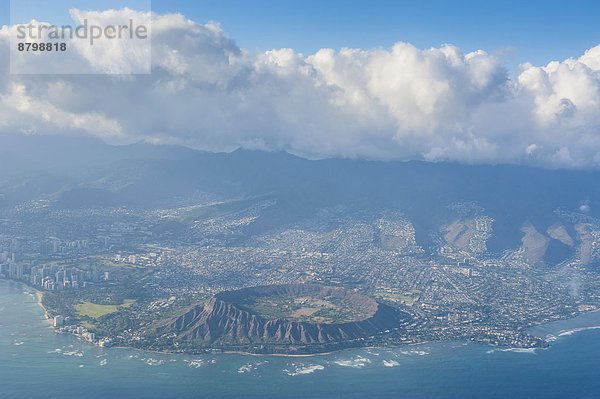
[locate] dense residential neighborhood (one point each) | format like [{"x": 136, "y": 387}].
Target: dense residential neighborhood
[{"x": 132, "y": 272}]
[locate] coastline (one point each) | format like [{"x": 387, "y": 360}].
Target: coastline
[
  {"x": 282, "y": 354},
  {"x": 558, "y": 328},
  {"x": 562, "y": 332},
  {"x": 226, "y": 352},
  {"x": 183, "y": 376},
  {"x": 39, "y": 295}
]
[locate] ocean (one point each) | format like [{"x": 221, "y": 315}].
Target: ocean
[{"x": 37, "y": 363}]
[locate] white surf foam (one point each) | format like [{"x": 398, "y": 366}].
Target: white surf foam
[
  {"x": 303, "y": 369},
  {"x": 195, "y": 363},
  {"x": 390, "y": 363},
  {"x": 566, "y": 333},
  {"x": 520, "y": 350},
  {"x": 356, "y": 362}
]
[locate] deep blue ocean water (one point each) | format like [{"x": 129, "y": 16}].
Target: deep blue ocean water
[{"x": 37, "y": 363}]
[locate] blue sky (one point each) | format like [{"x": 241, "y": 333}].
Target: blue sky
[
  {"x": 537, "y": 31},
  {"x": 533, "y": 31}
]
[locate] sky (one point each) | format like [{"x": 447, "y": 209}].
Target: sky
[
  {"x": 533, "y": 31},
  {"x": 466, "y": 81}
]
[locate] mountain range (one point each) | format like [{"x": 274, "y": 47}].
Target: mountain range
[{"x": 544, "y": 211}]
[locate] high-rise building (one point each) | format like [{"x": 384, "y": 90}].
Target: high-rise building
[
  {"x": 16, "y": 246},
  {"x": 16, "y": 271},
  {"x": 58, "y": 321}
]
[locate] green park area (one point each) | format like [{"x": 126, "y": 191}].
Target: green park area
[{"x": 95, "y": 310}]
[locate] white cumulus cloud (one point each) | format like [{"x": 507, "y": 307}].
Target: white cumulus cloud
[{"x": 384, "y": 103}]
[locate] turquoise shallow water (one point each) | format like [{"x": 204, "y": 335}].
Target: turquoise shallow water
[{"x": 36, "y": 363}]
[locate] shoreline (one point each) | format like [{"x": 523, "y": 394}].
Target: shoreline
[
  {"x": 225, "y": 352},
  {"x": 39, "y": 295},
  {"x": 283, "y": 354}
]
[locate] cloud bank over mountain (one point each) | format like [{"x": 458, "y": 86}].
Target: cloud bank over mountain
[{"x": 384, "y": 103}]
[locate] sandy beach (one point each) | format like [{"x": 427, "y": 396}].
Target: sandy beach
[{"x": 39, "y": 295}]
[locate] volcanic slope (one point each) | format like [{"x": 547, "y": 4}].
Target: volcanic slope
[{"x": 299, "y": 317}]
